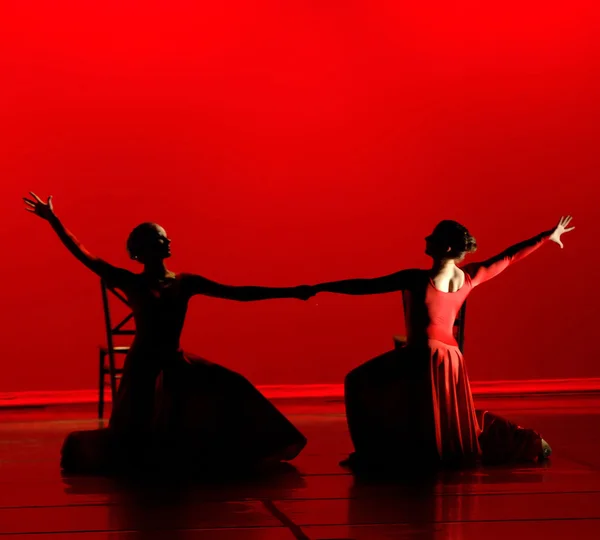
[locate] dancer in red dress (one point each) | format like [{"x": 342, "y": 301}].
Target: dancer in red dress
[
  {"x": 416, "y": 403},
  {"x": 174, "y": 408}
]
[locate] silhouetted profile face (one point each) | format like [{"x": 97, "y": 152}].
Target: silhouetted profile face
[
  {"x": 449, "y": 240},
  {"x": 149, "y": 242}
]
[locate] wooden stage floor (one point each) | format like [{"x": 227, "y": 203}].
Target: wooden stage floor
[{"x": 314, "y": 498}]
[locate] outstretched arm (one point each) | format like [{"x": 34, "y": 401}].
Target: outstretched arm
[
  {"x": 194, "y": 284},
  {"x": 484, "y": 271},
  {"x": 115, "y": 277},
  {"x": 391, "y": 283}
]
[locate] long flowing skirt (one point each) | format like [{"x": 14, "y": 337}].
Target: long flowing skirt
[
  {"x": 187, "y": 413},
  {"x": 415, "y": 405}
]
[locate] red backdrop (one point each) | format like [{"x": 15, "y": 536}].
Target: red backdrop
[{"x": 295, "y": 142}]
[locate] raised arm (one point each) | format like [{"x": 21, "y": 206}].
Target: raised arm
[
  {"x": 194, "y": 284},
  {"x": 393, "y": 282},
  {"x": 484, "y": 271},
  {"x": 115, "y": 277}
]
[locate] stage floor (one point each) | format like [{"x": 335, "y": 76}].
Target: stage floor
[{"x": 315, "y": 498}]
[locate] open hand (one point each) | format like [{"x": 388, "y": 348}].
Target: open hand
[
  {"x": 561, "y": 228},
  {"x": 38, "y": 207}
]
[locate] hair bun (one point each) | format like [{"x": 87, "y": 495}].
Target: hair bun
[
  {"x": 453, "y": 235},
  {"x": 470, "y": 244}
]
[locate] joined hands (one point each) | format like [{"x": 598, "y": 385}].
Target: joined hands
[{"x": 304, "y": 292}]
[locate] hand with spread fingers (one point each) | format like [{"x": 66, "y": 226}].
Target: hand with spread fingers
[
  {"x": 45, "y": 210},
  {"x": 560, "y": 229}
]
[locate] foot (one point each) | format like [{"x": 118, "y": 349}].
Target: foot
[
  {"x": 364, "y": 463},
  {"x": 358, "y": 461},
  {"x": 349, "y": 461},
  {"x": 546, "y": 450}
]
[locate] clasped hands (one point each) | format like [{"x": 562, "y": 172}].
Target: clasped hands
[{"x": 304, "y": 292}]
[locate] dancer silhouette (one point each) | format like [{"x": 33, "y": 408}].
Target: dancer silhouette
[
  {"x": 174, "y": 409},
  {"x": 415, "y": 404}
]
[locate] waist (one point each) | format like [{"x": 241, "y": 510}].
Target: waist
[
  {"x": 160, "y": 346},
  {"x": 432, "y": 335}
]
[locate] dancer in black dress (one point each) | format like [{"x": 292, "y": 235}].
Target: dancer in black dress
[{"x": 174, "y": 409}]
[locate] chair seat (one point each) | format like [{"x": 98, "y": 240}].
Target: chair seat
[
  {"x": 400, "y": 341},
  {"x": 118, "y": 350},
  {"x": 118, "y": 372}
]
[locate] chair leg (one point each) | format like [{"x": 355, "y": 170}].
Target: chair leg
[
  {"x": 113, "y": 377},
  {"x": 101, "y": 387}
]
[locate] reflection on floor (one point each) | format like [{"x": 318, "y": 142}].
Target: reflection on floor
[{"x": 314, "y": 498}]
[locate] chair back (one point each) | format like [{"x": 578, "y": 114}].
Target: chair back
[
  {"x": 118, "y": 329},
  {"x": 113, "y": 330}
]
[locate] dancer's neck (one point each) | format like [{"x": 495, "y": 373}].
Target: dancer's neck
[
  {"x": 444, "y": 267},
  {"x": 157, "y": 270}
]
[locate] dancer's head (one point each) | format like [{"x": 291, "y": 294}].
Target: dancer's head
[
  {"x": 148, "y": 243},
  {"x": 450, "y": 240}
]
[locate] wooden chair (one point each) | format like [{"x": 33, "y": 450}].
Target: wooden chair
[
  {"x": 459, "y": 326},
  {"x": 110, "y": 350}
]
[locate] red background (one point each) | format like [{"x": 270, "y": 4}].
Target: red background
[{"x": 295, "y": 142}]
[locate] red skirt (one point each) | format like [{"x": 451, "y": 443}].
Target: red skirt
[{"x": 415, "y": 404}]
